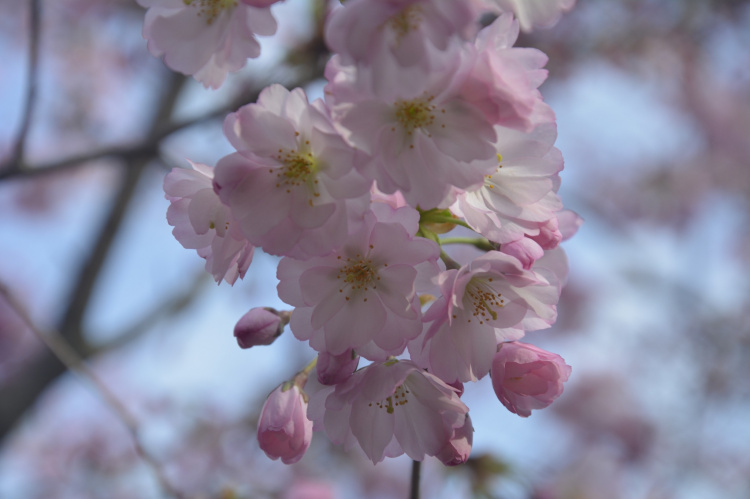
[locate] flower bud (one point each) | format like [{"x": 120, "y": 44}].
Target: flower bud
[
  {"x": 260, "y": 326},
  {"x": 526, "y": 250},
  {"x": 334, "y": 369},
  {"x": 456, "y": 451},
  {"x": 283, "y": 428},
  {"x": 526, "y": 377},
  {"x": 549, "y": 236}
]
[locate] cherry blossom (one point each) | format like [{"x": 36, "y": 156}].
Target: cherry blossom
[
  {"x": 421, "y": 133},
  {"x": 373, "y": 32},
  {"x": 526, "y": 377},
  {"x": 259, "y": 326},
  {"x": 457, "y": 450},
  {"x": 393, "y": 408},
  {"x": 519, "y": 198},
  {"x": 202, "y": 223},
  {"x": 283, "y": 428},
  {"x": 361, "y": 296},
  {"x": 504, "y": 80},
  {"x": 492, "y": 299},
  {"x": 206, "y": 38},
  {"x": 292, "y": 184}
]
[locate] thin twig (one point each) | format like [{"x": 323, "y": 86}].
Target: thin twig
[
  {"x": 63, "y": 351},
  {"x": 415, "y": 472},
  {"x": 35, "y": 15}
]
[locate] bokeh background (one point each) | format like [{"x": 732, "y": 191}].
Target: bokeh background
[{"x": 653, "y": 106}]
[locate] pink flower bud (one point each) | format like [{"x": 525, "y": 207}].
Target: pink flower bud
[
  {"x": 526, "y": 250},
  {"x": 549, "y": 236},
  {"x": 456, "y": 451},
  {"x": 526, "y": 377},
  {"x": 283, "y": 429},
  {"x": 260, "y": 326},
  {"x": 334, "y": 369}
]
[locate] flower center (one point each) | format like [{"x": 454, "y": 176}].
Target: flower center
[
  {"x": 403, "y": 22},
  {"x": 482, "y": 300},
  {"x": 415, "y": 113},
  {"x": 359, "y": 274},
  {"x": 299, "y": 168},
  {"x": 399, "y": 398},
  {"x": 210, "y": 9}
]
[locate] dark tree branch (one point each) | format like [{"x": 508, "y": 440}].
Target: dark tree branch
[
  {"x": 35, "y": 14},
  {"x": 72, "y": 361}
]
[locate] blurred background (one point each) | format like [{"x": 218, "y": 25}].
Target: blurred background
[{"x": 653, "y": 106}]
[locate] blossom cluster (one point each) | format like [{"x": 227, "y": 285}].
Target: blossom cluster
[{"x": 430, "y": 124}]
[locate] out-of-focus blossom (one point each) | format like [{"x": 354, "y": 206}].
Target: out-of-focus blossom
[
  {"x": 259, "y": 326},
  {"x": 534, "y": 13},
  {"x": 206, "y": 38},
  {"x": 458, "y": 448},
  {"x": 203, "y": 223},
  {"x": 335, "y": 369},
  {"x": 283, "y": 428},
  {"x": 526, "y": 377},
  {"x": 372, "y": 32}
]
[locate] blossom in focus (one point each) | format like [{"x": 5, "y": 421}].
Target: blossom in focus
[
  {"x": 526, "y": 377},
  {"x": 292, "y": 185},
  {"x": 519, "y": 198},
  {"x": 493, "y": 299},
  {"x": 203, "y": 223},
  {"x": 361, "y": 296},
  {"x": 422, "y": 135},
  {"x": 259, "y": 326},
  {"x": 206, "y": 38},
  {"x": 393, "y": 408},
  {"x": 283, "y": 428},
  {"x": 535, "y": 13}
]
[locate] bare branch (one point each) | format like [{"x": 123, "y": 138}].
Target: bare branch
[
  {"x": 35, "y": 11},
  {"x": 63, "y": 351}
]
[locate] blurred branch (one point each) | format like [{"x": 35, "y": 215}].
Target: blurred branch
[
  {"x": 63, "y": 351},
  {"x": 168, "y": 307},
  {"x": 149, "y": 147},
  {"x": 35, "y": 14}
]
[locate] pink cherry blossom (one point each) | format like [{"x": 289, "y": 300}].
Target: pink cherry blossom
[
  {"x": 504, "y": 79},
  {"x": 283, "y": 428},
  {"x": 422, "y": 135},
  {"x": 519, "y": 198},
  {"x": 372, "y": 31},
  {"x": 492, "y": 299},
  {"x": 526, "y": 377},
  {"x": 206, "y": 38},
  {"x": 393, "y": 408},
  {"x": 361, "y": 296},
  {"x": 531, "y": 13},
  {"x": 259, "y": 326},
  {"x": 203, "y": 223},
  {"x": 292, "y": 185},
  {"x": 457, "y": 450}
]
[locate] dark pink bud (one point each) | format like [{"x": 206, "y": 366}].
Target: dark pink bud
[
  {"x": 334, "y": 369},
  {"x": 260, "y": 326},
  {"x": 526, "y": 250}
]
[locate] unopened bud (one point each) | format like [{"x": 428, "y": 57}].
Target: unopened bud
[
  {"x": 260, "y": 326},
  {"x": 334, "y": 369}
]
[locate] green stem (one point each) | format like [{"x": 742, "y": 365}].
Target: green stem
[
  {"x": 478, "y": 242},
  {"x": 443, "y": 219}
]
